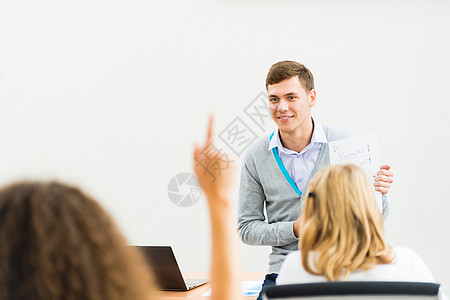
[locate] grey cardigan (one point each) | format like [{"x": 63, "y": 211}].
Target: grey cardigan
[{"x": 263, "y": 186}]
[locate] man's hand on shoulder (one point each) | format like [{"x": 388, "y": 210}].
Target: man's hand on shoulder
[{"x": 384, "y": 179}]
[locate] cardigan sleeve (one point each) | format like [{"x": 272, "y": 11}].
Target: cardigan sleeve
[{"x": 252, "y": 226}]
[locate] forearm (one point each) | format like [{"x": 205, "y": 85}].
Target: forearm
[
  {"x": 225, "y": 264},
  {"x": 260, "y": 233},
  {"x": 253, "y": 229}
]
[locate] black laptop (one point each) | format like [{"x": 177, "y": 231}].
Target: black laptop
[{"x": 165, "y": 267}]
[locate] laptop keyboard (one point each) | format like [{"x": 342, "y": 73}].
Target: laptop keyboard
[{"x": 192, "y": 283}]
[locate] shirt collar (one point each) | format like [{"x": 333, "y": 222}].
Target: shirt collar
[
  {"x": 318, "y": 137},
  {"x": 318, "y": 134}
]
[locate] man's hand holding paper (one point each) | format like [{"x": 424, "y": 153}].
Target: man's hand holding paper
[{"x": 384, "y": 179}]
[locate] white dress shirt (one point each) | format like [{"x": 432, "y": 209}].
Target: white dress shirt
[{"x": 300, "y": 165}]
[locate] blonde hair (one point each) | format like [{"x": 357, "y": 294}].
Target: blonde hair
[{"x": 342, "y": 228}]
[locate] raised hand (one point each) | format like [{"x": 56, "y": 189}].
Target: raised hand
[
  {"x": 215, "y": 175},
  {"x": 214, "y": 171}
]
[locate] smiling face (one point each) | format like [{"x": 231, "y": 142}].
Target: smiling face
[{"x": 290, "y": 105}]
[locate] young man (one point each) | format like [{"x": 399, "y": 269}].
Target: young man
[{"x": 276, "y": 168}]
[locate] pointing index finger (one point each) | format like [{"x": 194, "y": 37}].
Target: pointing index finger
[{"x": 210, "y": 129}]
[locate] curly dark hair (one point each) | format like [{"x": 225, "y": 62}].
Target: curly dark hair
[{"x": 58, "y": 243}]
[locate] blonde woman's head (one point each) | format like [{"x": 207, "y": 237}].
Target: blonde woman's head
[{"x": 342, "y": 228}]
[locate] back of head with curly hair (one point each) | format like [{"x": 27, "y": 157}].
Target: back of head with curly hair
[{"x": 58, "y": 243}]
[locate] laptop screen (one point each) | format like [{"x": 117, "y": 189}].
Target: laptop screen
[{"x": 165, "y": 267}]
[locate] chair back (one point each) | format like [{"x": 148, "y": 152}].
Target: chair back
[{"x": 367, "y": 290}]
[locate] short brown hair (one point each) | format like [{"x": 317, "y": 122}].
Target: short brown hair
[
  {"x": 58, "y": 243},
  {"x": 286, "y": 69}
]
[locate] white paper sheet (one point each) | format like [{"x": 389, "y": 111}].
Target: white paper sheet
[{"x": 360, "y": 150}]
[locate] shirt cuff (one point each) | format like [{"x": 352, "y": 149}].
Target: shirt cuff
[{"x": 287, "y": 232}]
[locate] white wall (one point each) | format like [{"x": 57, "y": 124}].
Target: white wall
[{"x": 110, "y": 95}]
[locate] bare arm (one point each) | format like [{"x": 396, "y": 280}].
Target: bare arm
[{"x": 217, "y": 184}]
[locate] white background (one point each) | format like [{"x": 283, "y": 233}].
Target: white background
[{"x": 110, "y": 95}]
